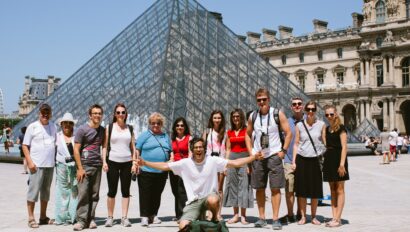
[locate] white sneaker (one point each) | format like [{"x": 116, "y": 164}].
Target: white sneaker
[
  {"x": 156, "y": 220},
  {"x": 144, "y": 221}
]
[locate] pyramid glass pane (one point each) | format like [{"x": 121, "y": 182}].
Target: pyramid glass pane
[
  {"x": 366, "y": 128},
  {"x": 176, "y": 59}
]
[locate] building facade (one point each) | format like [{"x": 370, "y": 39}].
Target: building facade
[
  {"x": 35, "y": 91},
  {"x": 363, "y": 69}
]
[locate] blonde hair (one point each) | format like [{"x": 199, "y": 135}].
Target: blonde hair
[
  {"x": 337, "y": 122},
  {"x": 156, "y": 117}
]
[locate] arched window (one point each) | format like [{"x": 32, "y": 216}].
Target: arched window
[
  {"x": 380, "y": 11},
  {"x": 405, "y": 66}
]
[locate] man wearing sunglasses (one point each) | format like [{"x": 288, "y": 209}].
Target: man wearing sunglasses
[
  {"x": 39, "y": 149},
  {"x": 297, "y": 115},
  {"x": 265, "y": 132}
]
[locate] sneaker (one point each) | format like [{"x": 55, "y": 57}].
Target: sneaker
[
  {"x": 291, "y": 219},
  {"x": 109, "y": 222},
  {"x": 125, "y": 222},
  {"x": 260, "y": 223},
  {"x": 276, "y": 225},
  {"x": 92, "y": 225},
  {"x": 156, "y": 220},
  {"x": 144, "y": 221},
  {"x": 78, "y": 227}
]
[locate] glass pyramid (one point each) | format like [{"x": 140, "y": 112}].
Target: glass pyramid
[
  {"x": 366, "y": 128},
  {"x": 177, "y": 59}
]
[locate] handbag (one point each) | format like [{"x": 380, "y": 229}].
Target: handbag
[{"x": 320, "y": 150}]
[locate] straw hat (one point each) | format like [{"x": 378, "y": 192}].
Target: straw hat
[{"x": 67, "y": 117}]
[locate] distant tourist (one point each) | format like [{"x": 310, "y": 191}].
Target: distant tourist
[
  {"x": 400, "y": 141},
  {"x": 238, "y": 191},
  {"x": 215, "y": 137},
  {"x": 371, "y": 143},
  {"x": 263, "y": 137},
  {"x": 6, "y": 138},
  {"x": 406, "y": 143},
  {"x": 20, "y": 140},
  {"x": 118, "y": 156},
  {"x": 393, "y": 144},
  {"x": 199, "y": 174},
  {"x": 39, "y": 150},
  {"x": 88, "y": 141},
  {"x": 181, "y": 136},
  {"x": 152, "y": 145},
  {"x": 66, "y": 183},
  {"x": 335, "y": 166},
  {"x": 384, "y": 140}
]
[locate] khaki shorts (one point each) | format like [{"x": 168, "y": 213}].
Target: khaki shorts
[
  {"x": 272, "y": 168},
  {"x": 290, "y": 178},
  {"x": 40, "y": 183},
  {"x": 196, "y": 209}
]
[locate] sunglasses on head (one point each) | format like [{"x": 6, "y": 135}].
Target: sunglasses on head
[
  {"x": 330, "y": 115},
  {"x": 310, "y": 109},
  {"x": 120, "y": 112},
  {"x": 296, "y": 103},
  {"x": 262, "y": 99}
]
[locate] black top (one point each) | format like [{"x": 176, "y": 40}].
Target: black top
[
  {"x": 333, "y": 139},
  {"x": 70, "y": 149}
]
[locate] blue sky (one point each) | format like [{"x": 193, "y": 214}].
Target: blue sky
[{"x": 55, "y": 37}]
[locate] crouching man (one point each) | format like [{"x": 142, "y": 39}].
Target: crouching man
[{"x": 200, "y": 180}]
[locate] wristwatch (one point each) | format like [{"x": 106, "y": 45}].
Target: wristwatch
[{"x": 284, "y": 150}]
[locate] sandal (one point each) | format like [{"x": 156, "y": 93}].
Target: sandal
[
  {"x": 302, "y": 221},
  {"x": 315, "y": 221},
  {"x": 46, "y": 221},
  {"x": 334, "y": 223},
  {"x": 233, "y": 220},
  {"x": 243, "y": 221},
  {"x": 32, "y": 224}
]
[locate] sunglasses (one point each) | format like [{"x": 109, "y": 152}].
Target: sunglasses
[
  {"x": 262, "y": 99},
  {"x": 310, "y": 109},
  {"x": 296, "y": 104},
  {"x": 180, "y": 125},
  {"x": 67, "y": 123},
  {"x": 120, "y": 112},
  {"x": 330, "y": 115}
]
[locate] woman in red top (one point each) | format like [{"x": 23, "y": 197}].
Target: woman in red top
[
  {"x": 180, "y": 145},
  {"x": 238, "y": 191}
]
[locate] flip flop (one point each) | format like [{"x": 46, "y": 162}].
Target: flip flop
[
  {"x": 32, "y": 224},
  {"x": 46, "y": 221},
  {"x": 316, "y": 222},
  {"x": 233, "y": 220},
  {"x": 243, "y": 221}
]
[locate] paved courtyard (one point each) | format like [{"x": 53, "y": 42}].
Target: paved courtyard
[{"x": 377, "y": 199}]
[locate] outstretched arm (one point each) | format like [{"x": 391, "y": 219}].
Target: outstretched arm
[
  {"x": 157, "y": 165},
  {"x": 237, "y": 163}
]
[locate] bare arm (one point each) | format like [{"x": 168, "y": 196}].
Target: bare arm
[
  {"x": 324, "y": 135},
  {"x": 228, "y": 147},
  {"x": 163, "y": 166},
  {"x": 105, "y": 150},
  {"x": 80, "y": 170},
  {"x": 248, "y": 136},
  {"x": 288, "y": 133},
  {"x": 242, "y": 161},
  {"x": 295, "y": 146},
  {"x": 30, "y": 163},
  {"x": 343, "y": 139}
]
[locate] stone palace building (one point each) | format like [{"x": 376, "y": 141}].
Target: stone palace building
[{"x": 363, "y": 69}]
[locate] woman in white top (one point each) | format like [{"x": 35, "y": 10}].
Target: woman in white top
[
  {"x": 215, "y": 136},
  {"x": 118, "y": 155},
  {"x": 308, "y": 176}
]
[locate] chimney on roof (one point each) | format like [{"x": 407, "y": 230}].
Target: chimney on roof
[
  {"x": 241, "y": 38},
  {"x": 357, "y": 20},
  {"x": 320, "y": 26},
  {"x": 253, "y": 37},
  {"x": 285, "y": 32},
  {"x": 269, "y": 35},
  {"x": 217, "y": 15}
]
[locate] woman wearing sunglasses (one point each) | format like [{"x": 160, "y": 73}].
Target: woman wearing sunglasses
[
  {"x": 309, "y": 135},
  {"x": 335, "y": 167},
  {"x": 118, "y": 153},
  {"x": 180, "y": 145}
]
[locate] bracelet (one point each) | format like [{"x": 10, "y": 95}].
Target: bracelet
[{"x": 284, "y": 150}]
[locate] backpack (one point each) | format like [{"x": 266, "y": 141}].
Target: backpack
[
  {"x": 207, "y": 226},
  {"x": 276, "y": 117},
  {"x": 110, "y": 126}
]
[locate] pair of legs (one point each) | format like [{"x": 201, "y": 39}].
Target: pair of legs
[
  {"x": 196, "y": 209},
  {"x": 386, "y": 157},
  {"x": 221, "y": 179},
  {"x": 178, "y": 190},
  {"x": 6, "y": 147},
  {"x": 150, "y": 186},
  {"x": 313, "y": 208},
  {"x": 337, "y": 190},
  {"x": 290, "y": 190},
  {"x": 39, "y": 184},
  {"x": 275, "y": 201},
  {"x": 116, "y": 172}
]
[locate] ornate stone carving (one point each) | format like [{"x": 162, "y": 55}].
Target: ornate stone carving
[
  {"x": 364, "y": 45},
  {"x": 389, "y": 39},
  {"x": 392, "y": 8},
  {"x": 367, "y": 10}
]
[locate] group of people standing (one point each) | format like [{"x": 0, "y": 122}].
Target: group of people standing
[
  {"x": 219, "y": 169},
  {"x": 391, "y": 145}
]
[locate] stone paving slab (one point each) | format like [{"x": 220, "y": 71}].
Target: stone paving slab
[{"x": 376, "y": 200}]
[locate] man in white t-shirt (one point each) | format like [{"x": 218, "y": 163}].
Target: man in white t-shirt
[
  {"x": 39, "y": 151},
  {"x": 393, "y": 144},
  {"x": 200, "y": 179}
]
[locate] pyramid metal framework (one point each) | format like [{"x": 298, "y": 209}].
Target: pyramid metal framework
[
  {"x": 366, "y": 128},
  {"x": 177, "y": 59}
]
